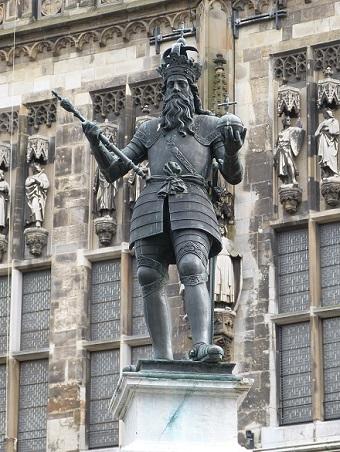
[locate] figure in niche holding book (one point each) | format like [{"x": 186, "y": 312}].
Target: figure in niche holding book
[
  {"x": 288, "y": 147},
  {"x": 173, "y": 220},
  {"x": 328, "y": 134}
]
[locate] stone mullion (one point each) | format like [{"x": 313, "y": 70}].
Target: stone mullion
[
  {"x": 313, "y": 190},
  {"x": 126, "y": 304},
  {"x": 315, "y": 321},
  {"x": 12, "y": 404}
]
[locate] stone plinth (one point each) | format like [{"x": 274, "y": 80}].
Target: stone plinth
[
  {"x": 290, "y": 197},
  {"x": 179, "y": 407},
  {"x": 330, "y": 190},
  {"x": 36, "y": 240},
  {"x": 105, "y": 228}
]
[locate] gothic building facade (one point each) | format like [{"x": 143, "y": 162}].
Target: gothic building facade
[{"x": 70, "y": 307}]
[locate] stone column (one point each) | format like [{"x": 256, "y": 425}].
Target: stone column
[{"x": 67, "y": 373}]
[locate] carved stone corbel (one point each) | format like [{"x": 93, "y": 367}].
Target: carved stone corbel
[
  {"x": 224, "y": 331},
  {"x": 3, "y": 245},
  {"x": 36, "y": 239},
  {"x": 290, "y": 197},
  {"x": 330, "y": 190},
  {"x": 105, "y": 228}
]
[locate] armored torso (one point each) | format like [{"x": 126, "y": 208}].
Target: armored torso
[{"x": 179, "y": 167}]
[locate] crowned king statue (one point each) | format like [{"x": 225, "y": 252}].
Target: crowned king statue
[{"x": 173, "y": 220}]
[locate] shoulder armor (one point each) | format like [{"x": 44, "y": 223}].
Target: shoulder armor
[
  {"x": 148, "y": 132},
  {"x": 205, "y": 130}
]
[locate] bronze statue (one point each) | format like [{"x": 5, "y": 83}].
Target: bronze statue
[{"x": 173, "y": 220}]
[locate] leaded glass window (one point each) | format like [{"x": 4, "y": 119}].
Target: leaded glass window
[
  {"x": 35, "y": 310},
  {"x": 105, "y": 300},
  {"x": 33, "y": 394},
  {"x": 331, "y": 364},
  {"x": 104, "y": 374},
  {"x": 295, "y": 373},
  {"x": 141, "y": 352},
  {"x": 293, "y": 278},
  {"x": 4, "y": 314},
  {"x": 139, "y": 327},
  {"x": 330, "y": 264},
  {"x": 2, "y": 406}
]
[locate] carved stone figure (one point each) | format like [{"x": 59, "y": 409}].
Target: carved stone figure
[
  {"x": 228, "y": 275},
  {"x": 328, "y": 134},
  {"x": 288, "y": 146},
  {"x": 36, "y": 192},
  {"x": 173, "y": 220},
  {"x": 4, "y": 200},
  {"x": 137, "y": 183},
  {"x": 104, "y": 195}
]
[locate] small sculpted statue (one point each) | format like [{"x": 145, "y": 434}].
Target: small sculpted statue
[
  {"x": 173, "y": 220},
  {"x": 104, "y": 195},
  {"x": 4, "y": 200},
  {"x": 288, "y": 147},
  {"x": 328, "y": 134},
  {"x": 36, "y": 187}
]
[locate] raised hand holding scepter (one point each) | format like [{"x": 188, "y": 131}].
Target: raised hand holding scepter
[{"x": 89, "y": 126}]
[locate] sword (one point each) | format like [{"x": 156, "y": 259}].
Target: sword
[{"x": 66, "y": 105}]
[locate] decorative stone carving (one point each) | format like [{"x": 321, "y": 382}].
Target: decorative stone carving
[
  {"x": 288, "y": 147},
  {"x": 328, "y": 90},
  {"x": 291, "y": 67},
  {"x": 37, "y": 149},
  {"x": 254, "y": 6},
  {"x": 136, "y": 183},
  {"x": 8, "y": 121},
  {"x": 328, "y": 134},
  {"x": 220, "y": 85},
  {"x": 146, "y": 117},
  {"x": 330, "y": 190},
  {"x": 36, "y": 193},
  {"x": 108, "y": 103},
  {"x": 3, "y": 246},
  {"x": 42, "y": 113},
  {"x": 148, "y": 94},
  {"x": 36, "y": 240},
  {"x": 223, "y": 202},
  {"x": 101, "y": 36},
  {"x": 104, "y": 207},
  {"x": 5, "y": 152},
  {"x": 288, "y": 101},
  {"x": 290, "y": 197},
  {"x": 4, "y": 201},
  {"x": 224, "y": 331},
  {"x": 327, "y": 56},
  {"x": 51, "y": 7},
  {"x": 2, "y": 12},
  {"x": 105, "y": 228}
]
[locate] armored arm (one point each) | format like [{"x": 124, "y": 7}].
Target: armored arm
[
  {"x": 110, "y": 165},
  {"x": 228, "y": 163}
]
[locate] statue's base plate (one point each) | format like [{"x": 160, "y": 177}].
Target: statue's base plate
[{"x": 179, "y": 406}]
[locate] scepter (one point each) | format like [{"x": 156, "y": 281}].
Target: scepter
[{"x": 66, "y": 105}]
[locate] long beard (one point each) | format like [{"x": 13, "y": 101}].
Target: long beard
[{"x": 178, "y": 112}]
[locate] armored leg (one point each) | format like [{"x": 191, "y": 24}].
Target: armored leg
[
  {"x": 192, "y": 250},
  {"x": 152, "y": 277}
]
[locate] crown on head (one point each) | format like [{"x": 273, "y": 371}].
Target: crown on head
[{"x": 175, "y": 61}]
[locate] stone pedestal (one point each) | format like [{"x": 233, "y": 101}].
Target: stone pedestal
[
  {"x": 290, "y": 197},
  {"x": 105, "y": 228},
  {"x": 330, "y": 190},
  {"x": 179, "y": 406},
  {"x": 3, "y": 245},
  {"x": 36, "y": 240}
]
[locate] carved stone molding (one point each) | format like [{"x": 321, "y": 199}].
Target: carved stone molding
[
  {"x": 328, "y": 90},
  {"x": 119, "y": 32},
  {"x": 51, "y": 7},
  {"x": 3, "y": 246},
  {"x": 291, "y": 67},
  {"x": 36, "y": 240},
  {"x": 288, "y": 101},
  {"x": 220, "y": 86},
  {"x": 42, "y": 113},
  {"x": 8, "y": 121},
  {"x": 149, "y": 93},
  {"x": 5, "y": 152},
  {"x": 327, "y": 56},
  {"x": 105, "y": 228},
  {"x": 37, "y": 148},
  {"x": 255, "y": 6},
  {"x": 330, "y": 190},
  {"x": 290, "y": 197},
  {"x": 224, "y": 331},
  {"x": 108, "y": 103}
]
